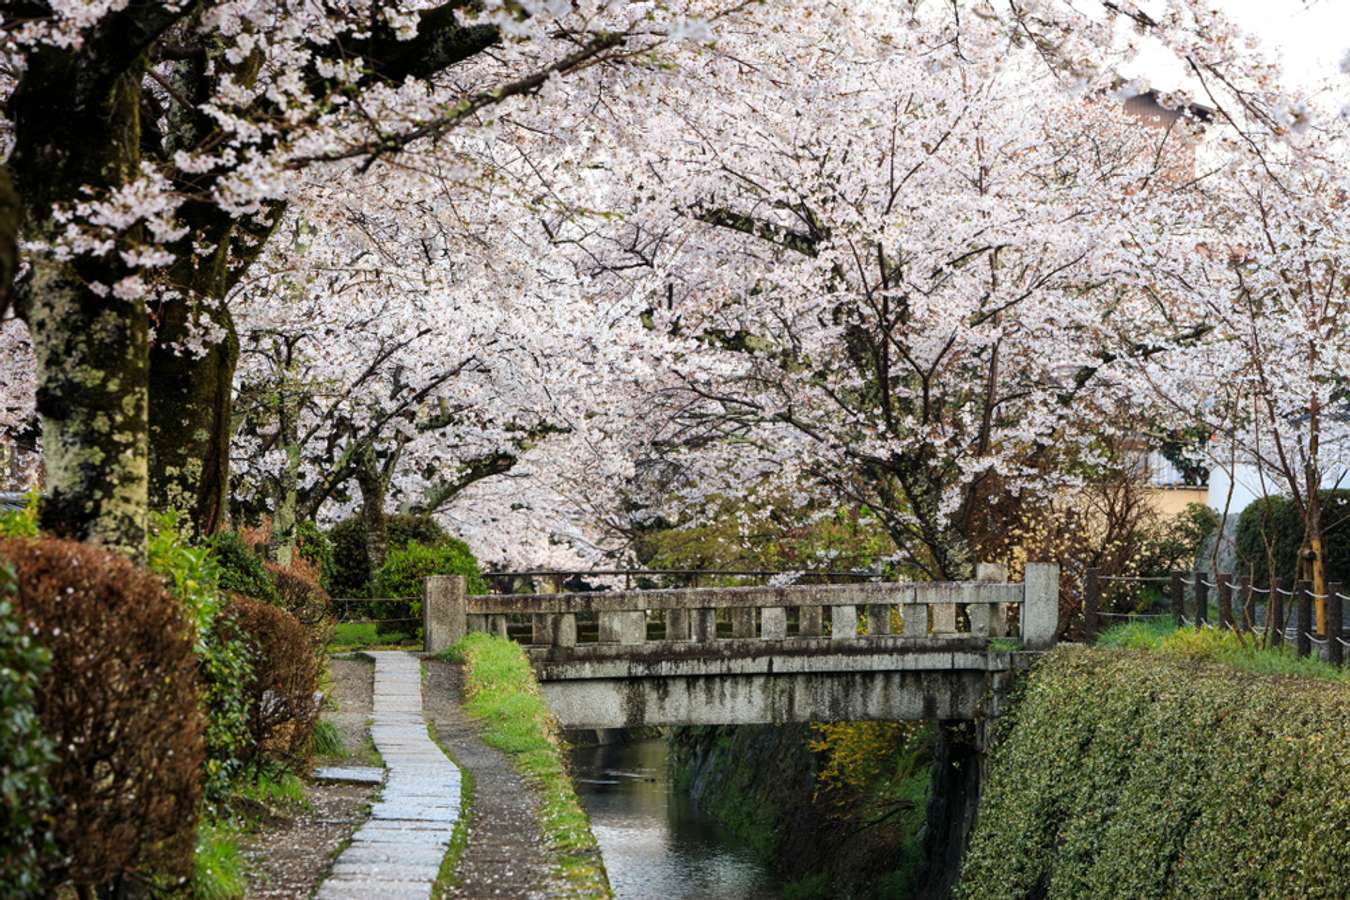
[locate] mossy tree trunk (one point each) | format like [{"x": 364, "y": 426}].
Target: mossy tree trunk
[{"x": 77, "y": 130}]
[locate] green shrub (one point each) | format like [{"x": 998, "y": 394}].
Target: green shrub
[
  {"x": 352, "y": 575},
  {"x": 1276, "y": 519},
  {"x": 314, "y": 547},
  {"x": 193, "y": 575},
  {"x": 1174, "y": 543},
  {"x": 25, "y": 755},
  {"x": 1141, "y": 774},
  {"x": 241, "y": 569},
  {"x": 120, "y": 704},
  {"x": 22, "y": 522},
  {"x": 402, "y": 573}
]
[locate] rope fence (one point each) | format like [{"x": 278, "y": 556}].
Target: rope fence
[{"x": 1293, "y": 615}]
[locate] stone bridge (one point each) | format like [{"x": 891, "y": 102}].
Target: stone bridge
[{"x": 753, "y": 655}]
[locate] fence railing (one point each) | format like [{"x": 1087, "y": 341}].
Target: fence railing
[
  {"x": 987, "y": 608},
  {"x": 577, "y": 580},
  {"x": 1288, "y": 613}
]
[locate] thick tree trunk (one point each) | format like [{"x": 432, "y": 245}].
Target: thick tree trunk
[
  {"x": 190, "y": 419},
  {"x": 92, "y": 398},
  {"x": 77, "y": 133}
]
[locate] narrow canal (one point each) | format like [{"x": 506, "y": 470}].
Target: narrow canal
[{"x": 655, "y": 843}]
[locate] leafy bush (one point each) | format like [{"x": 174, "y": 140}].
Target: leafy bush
[
  {"x": 22, "y": 522},
  {"x": 1174, "y": 543},
  {"x": 120, "y": 704},
  {"x": 316, "y": 549},
  {"x": 25, "y": 755},
  {"x": 241, "y": 569},
  {"x": 402, "y": 574},
  {"x": 280, "y": 694},
  {"x": 1141, "y": 774},
  {"x": 193, "y": 575},
  {"x": 1276, "y": 519},
  {"x": 352, "y": 575}
]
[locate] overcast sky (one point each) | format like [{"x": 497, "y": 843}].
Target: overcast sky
[{"x": 1310, "y": 37}]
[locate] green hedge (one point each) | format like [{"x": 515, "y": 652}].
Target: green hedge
[
  {"x": 1278, "y": 518},
  {"x": 402, "y": 573},
  {"x": 1132, "y": 774},
  {"x": 240, "y": 567}
]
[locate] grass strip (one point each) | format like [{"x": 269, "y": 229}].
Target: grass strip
[
  {"x": 504, "y": 696},
  {"x": 1219, "y": 646}
]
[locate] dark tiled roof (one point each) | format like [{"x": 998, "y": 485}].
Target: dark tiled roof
[{"x": 12, "y": 500}]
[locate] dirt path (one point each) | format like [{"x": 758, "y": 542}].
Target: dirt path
[
  {"x": 506, "y": 855},
  {"x": 289, "y": 855}
]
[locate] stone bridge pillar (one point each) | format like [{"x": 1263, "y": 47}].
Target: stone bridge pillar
[
  {"x": 444, "y": 612},
  {"x": 1040, "y": 608}
]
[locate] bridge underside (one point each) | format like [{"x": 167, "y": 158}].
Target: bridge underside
[{"x": 764, "y": 682}]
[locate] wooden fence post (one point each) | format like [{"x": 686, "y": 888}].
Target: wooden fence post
[
  {"x": 1178, "y": 598},
  {"x": 1225, "y": 583},
  {"x": 1335, "y": 625},
  {"x": 1303, "y": 622},
  {"x": 1247, "y": 622},
  {"x": 1201, "y": 599},
  {"x": 1092, "y": 598},
  {"x": 1275, "y": 612}
]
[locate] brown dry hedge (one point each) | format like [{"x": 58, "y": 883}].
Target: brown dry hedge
[
  {"x": 120, "y": 703},
  {"x": 280, "y": 695}
]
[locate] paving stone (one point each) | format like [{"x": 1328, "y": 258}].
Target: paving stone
[
  {"x": 398, "y": 852},
  {"x": 349, "y": 774}
]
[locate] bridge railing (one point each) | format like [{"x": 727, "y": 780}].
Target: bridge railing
[{"x": 988, "y": 608}]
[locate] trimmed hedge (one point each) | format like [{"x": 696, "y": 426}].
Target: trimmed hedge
[
  {"x": 280, "y": 694},
  {"x": 402, "y": 574},
  {"x": 191, "y": 573},
  {"x": 120, "y": 705},
  {"x": 1278, "y": 518},
  {"x": 1133, "y": 774}
]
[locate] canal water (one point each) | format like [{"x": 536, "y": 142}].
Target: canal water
[{"x": 654, "y": 841}]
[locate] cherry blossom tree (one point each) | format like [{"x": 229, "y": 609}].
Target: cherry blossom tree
[
  {"x": 155, "y": 146},
  {"x": 889, "y": 263},
  {"x": 1260, "y": 261}
]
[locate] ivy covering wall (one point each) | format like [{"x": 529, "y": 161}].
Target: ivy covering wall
[{"x": 1133, "y": 774}]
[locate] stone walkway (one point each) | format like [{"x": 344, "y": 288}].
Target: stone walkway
[{"x": 397, "y": 854}]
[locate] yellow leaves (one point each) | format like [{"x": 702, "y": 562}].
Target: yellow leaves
[{"x": 857, "y": 752}]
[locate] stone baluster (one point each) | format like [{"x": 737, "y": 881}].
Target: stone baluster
[
  {"x": 705, "y": 625},
  {"x": 810, "y": 622},
  {"x": 878, "y": 619},
  {"x": 623, "y": 627},
  {"x": 843, "y": 622},
  {"x": 743, "y": 622},
  {"x": 773, "y": 623},
  {"x": 677, "y": 625}
]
